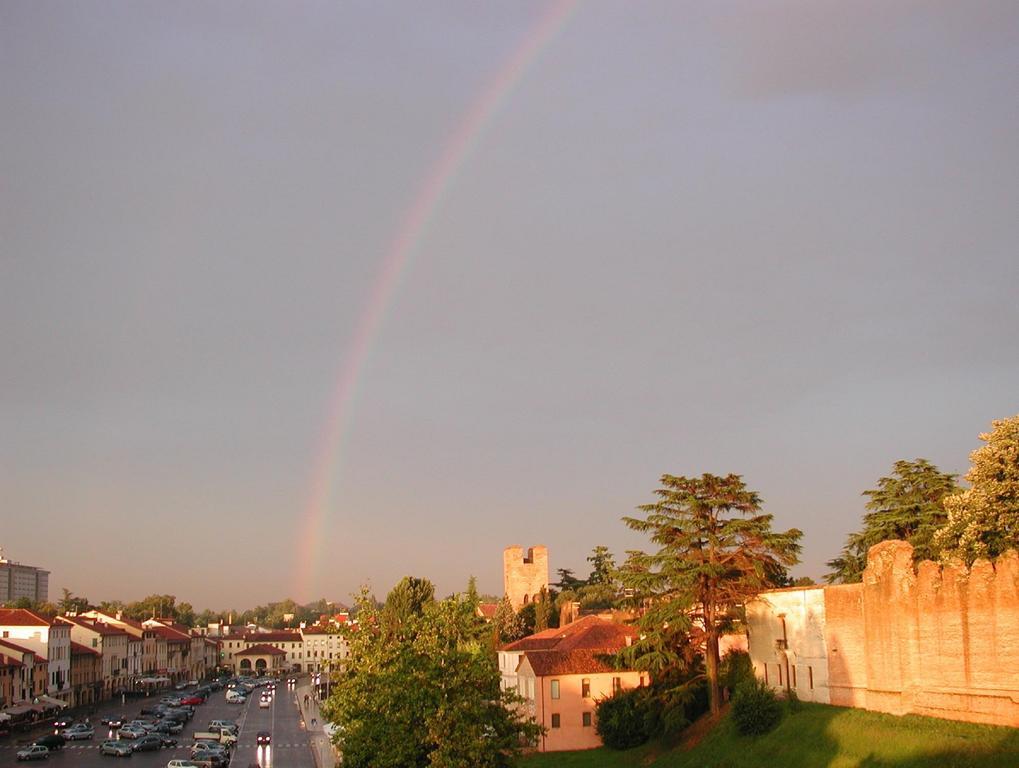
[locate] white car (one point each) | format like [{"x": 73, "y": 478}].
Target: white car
[
  {"x": 182, "y": 764},
  {"x": 35, "y": 752},
  {"x": 264, "y": 703}
]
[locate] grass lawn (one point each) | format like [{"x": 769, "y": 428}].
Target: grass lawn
[{"x": 819, "y": 736}]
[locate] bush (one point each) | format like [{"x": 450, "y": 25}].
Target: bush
[
  {"x": 755, "y": 708},
  {"x": 735, "y": 668},
  {"x": 622, "y": 719}
]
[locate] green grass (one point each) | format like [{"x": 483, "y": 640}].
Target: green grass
[{"x": 819, "y": 736}]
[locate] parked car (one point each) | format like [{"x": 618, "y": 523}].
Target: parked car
[
  {"x": 192, "y": 701},
  {"x": 51, "y": 741},
  {"x": 116, "y": 748},
  {"x": 130, "y": 732},
  {"x": 170, "y": 726},
  {"x": 263, "y": 738},
  {"x": 34, "y": 752},
  {"x": 182, "y": 764},
  {"x": 208, "y": 757},
  {"x": 79, "y": 731},
  {"x": 148, "y": 743}
]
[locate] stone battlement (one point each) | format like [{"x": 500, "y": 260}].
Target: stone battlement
[{"x": 524, "y": 574}]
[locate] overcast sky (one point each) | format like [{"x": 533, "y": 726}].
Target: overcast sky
[{"x": 776, "y": 239}]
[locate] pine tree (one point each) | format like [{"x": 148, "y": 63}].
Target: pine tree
[{"x": 716, "y": 551}]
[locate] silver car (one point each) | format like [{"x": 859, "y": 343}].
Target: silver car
[{"x": 34, "y": 752}]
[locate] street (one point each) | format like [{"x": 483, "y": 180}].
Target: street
[{"x": 290, "y": 747}]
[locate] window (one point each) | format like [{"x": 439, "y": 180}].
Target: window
[
  {"x": 555, "y": 720},
  {"x": 95, "y": 642},
  {"x": 617, "y": 685},
  {"x": 554, "y": 687},
  {"x": 779, "y": 674},
  {"x": 587, "y": 720},
  {"x": 585, "y": 688},
  {"x": 793, "y": 670},
  {"x": 766, "y": 674},
  {"x": 810, "y": 676}
]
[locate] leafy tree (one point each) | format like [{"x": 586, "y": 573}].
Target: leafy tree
[
  {"x": 603, "y": 564},
  {"x": 983, "y": 520},
  {"x": 542, "y": 611},
  {"x": 507, "y": 626},
  {"x": 755, "y": 708},
  {"x": 802, "y": 581},
  {"x": 407, "y": 600},
  {"x": 424, "y": 691},
  {"x": 715, "y": 551},
  {"x": 909, "y": 504},
  {"x": 69, "y": 603}
]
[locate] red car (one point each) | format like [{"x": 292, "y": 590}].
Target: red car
[{"x": 192, "y": 701}]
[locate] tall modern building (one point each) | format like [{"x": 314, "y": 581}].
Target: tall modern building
[{"x": 18, "y": 581}]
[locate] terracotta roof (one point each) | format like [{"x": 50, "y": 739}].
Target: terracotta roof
[
  {"x": 94, "y": 626},
  {"x": 589, "y": 632},
  {"x": 168, "y": 634},
  {"x": 79, "y": 649},
  {"x": 580, "y": 661},
  {"x": 9, "y": 661},
  {"x": 261, "y": 650},
  {"x": 6, "y": 642},
  {"x": 40, "y": 659},
  {"x": 22, "y": 617},
  {"x": 487, "y": 610}
]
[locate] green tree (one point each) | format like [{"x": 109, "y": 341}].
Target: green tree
[
  {"x": 983, "y": 520},
  {"x": 603, "y": 564},
  {"x": 71, "y": 604},
  {"x": 542, "y": 611},
  {"x": 715, "y": 550},
  {"x": 406, "y": 601},
  {"x": 506, "y": 624},
  {"x": 567, "y": 581},
  {"x": 909, "y": 504},
  {"x": 424, "y": 691}
]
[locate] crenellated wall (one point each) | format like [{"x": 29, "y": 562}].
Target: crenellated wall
[
  {"x": 524, "y": 575},
  {"x": 935, "y": 640}
]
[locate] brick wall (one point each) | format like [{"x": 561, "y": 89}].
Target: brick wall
[{"x": 524, "y": 574}]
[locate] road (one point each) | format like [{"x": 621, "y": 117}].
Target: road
[{"x": 290, "y": 748}]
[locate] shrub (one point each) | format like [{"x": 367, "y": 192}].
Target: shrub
[
  {"x": 755, "y": 708},
  {"x": 621, "y": 719},
  {"x": 735, "y": 668}
]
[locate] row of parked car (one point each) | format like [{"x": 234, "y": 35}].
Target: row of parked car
[{"x": 153, "y": 728}]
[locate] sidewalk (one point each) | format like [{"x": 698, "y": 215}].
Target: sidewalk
[{"x": 321, "y": 747}]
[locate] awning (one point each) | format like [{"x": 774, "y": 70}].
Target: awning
[
  {"x": 19, "y": 709},
  {"x": 50, "y": 701}
]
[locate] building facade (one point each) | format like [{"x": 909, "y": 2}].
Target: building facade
[
  {"x": 47, "y": 638},
  {"x": 933, "y": 640},
  {"x": 524, "y": 575},
  {"x": 23, "y": 581}
]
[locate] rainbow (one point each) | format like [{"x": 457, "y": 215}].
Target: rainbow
[{"x": 415, "y": 221}]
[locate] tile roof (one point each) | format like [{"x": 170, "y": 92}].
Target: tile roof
[
  {"x": 22, "y": 617},
  {"x": 93, "y": 626},
  {"x": 6, "y": 643},
  {"x": 79, "y": 649},
  {"x": 487, "y": 610},
  {"x": 579, "y": 661},
  {"x": 588, "y": 632},
  {"x": 261, "y": 650}
]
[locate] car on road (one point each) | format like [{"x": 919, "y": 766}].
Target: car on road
[
  {"x": 205, "y": 757},
  {"x": 78, "y": 731},
  {"x": 113, "y": 722},
  {"x": 34, "y": 752},
  {"x": 264, "y": 703},
  {"x": 214, "y": 724},
  {"x": 131, "y": 732},
  {"x": 182, "y": 764},
  {"x": 116, "y": 748},
  {"x": 62, "y": 722},
  {"x": 264, "y": 738},
  {"x": 51, "y": 741},
  {"x": 148, "y": 743}
]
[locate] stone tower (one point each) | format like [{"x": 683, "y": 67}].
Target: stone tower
[{"x": 524, "y": 576}]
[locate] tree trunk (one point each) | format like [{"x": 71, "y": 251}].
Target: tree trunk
[{"x": 711, "y": 666}]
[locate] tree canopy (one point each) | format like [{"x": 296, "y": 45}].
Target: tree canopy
[
  {"x": 424, "y": 690},
  {"x": 983, "y": 520},
  {"x": 908, "y": 504},
  {"x": 715, "y": 551}
]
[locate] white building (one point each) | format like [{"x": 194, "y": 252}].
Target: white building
[
  {"x": 787, "y": 641},
  {"x": 18, "y": 581},
  {"x": 50, "y": 640}
]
